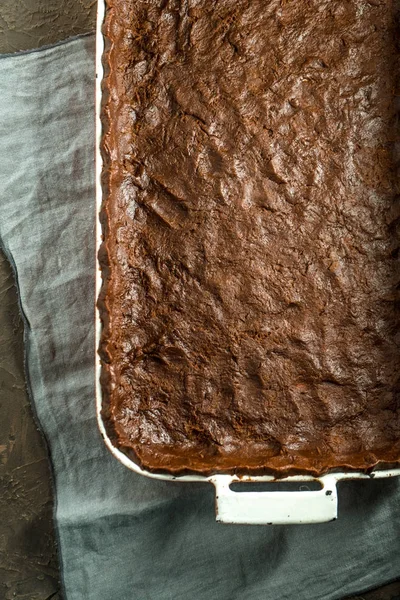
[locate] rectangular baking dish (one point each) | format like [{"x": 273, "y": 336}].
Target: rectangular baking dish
[{"x": 244, "y": 507}]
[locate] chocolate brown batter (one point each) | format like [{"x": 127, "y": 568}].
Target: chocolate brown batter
[{"x": 250, "y": 297}]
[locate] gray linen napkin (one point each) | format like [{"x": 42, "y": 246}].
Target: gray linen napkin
[{"x": 123, "y": 536}]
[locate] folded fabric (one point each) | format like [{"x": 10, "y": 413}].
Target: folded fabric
[{"x": 121, "y": 535}]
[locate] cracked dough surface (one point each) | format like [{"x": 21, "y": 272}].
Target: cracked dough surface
[{"x": 251, "y": 301}]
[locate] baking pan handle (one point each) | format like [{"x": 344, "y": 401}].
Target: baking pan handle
[{"x": 268, "y": 508}]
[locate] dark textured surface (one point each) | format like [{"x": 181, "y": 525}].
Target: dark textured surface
[
  {"x": 251, "y": 238},
  {"x": 29, "y": 568},
  {"x": 28, "y": 556},
  {"x": 28, "y": 565},
  {"x": 26, "y": 24},
  {"x": 388, "y": 592}
]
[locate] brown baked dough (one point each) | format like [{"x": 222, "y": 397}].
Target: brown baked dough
[{"x": 251, "y": 287}]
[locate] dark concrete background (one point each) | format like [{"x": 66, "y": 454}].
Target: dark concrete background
[
  {"x": 28, "y": 554},
  {"x": 26, "y": 24}
]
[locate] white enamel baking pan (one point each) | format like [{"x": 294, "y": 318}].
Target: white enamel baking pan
[{"x": 248, "y": 507}]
